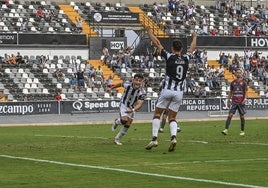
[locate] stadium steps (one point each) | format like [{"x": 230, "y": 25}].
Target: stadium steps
[
  {"x": 147, "y": 21},
  {"x": 107, "y": 72},
  {"x": 72, "y": 15},
  {"x": 230, "y": 77}
]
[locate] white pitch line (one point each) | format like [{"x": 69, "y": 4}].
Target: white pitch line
[
  {"x": 132, "y": 172},
  {"x": 62, "y": 136},
  {"x": 250, "y": 143},
  {"x": 103, "y": 138},
  {"x": 198, "y": 162}
]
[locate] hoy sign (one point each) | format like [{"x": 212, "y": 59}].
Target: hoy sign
[{"x": 117, "y": 45}]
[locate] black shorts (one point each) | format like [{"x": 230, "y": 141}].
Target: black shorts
[{"x": 240, "y": 107}]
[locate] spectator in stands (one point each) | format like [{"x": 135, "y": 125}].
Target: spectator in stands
[
  {"x": 197, "y": 54},
  {"x": 42, "y": 61},
  {"x": 75, "y": 65},
  {"x": 220, "y": 71},
  {"x": 204, "y": 57},
  {"x": 105, "y": 55},
  {"x": 80, "y": 79},
  {"x": 99, "y": 73},
  {"x": 190, "y": 84},
  {"x": 58, "y": 96},
  {"x": 247, "y": 76},
  {"x": 91, "y": 83},
  {"x": 2, "y": 96},
  {"x": 146, "y": 83},
  {"x": 266, "y": 93},
  {"x": 260, "y": 71},
  {"x": 253, "y": 65},
  {"x": 39, "y": 13},
  {"x": 47, "y": 14},
  {"x": 91, "y": 72},
  {"x": 247, "y": 55},
  {"x": 215, "y": 81},
  {"x": 79, "y": 23},
  {"x": 114, "y": 62},
  {"x": 127, "y": 59},
  {"x": 59, "y": 75},
  {"x": 213, "y": 32},
  {"x": 209, "y": 80},
  {"x": 143, "y": 63},
  {"x": 19, "y": 59},
  {"x": 205, "y": 24},
  {"x": 171, "y": 6},
  {"x": 12, "y": 59},
  {"x": 245, "y": 29},
  {"x": 157, "y": 12},
  {"x": 265, "y": 27},
  {"x": 73, "y": 81},
  {"x": 265, "y": 74},
  {"x": 24, "y": 26},
  {"x": 236, "y": 31},
  {"x": 24, "y": 98},
  {"x": 150, "y": 60},
  {"x": 109, "y": 81},
  {"x": 223, "y": 59},
  {"x": 152, "y": 49},
  {"x": 6, "y": 59}
]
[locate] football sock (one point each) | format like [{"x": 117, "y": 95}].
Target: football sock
[
  {"x": 173, "y": 128},
  {"x": 227, "y": 124},
  {"x": 122, "y": 132},
  {"x": 163, "y": 123},
  {"x": 155, "y": 126},
  {"x": 242, "y": 124}
]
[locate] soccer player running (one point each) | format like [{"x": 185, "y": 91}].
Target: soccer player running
[
  {"x": 171, "y": 94},
  {"x": 238, "y": 95},
  {"x": 130, "y": 102}
]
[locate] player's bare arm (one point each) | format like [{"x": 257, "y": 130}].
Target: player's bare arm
[
  {"x": 193, "y": 43},
  {"x": 137, "y": 107},
  {"x": 154, "y": 39}
]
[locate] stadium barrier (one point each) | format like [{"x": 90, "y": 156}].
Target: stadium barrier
[{"x": 88, "y": 106}]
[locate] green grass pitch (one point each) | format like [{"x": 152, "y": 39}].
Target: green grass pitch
[{"x": 83, "y": 156}]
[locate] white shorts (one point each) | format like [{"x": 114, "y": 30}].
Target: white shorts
[
  {"x": 123, "y": 109},
  {"x": 169, "y": 98}
]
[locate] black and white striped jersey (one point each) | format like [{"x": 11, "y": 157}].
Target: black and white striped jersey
[
  {"x": 130, "y": 95},
  {"x": 176, "y": 69}
]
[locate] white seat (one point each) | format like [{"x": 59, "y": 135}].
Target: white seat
[
  {"x": 149, "y": 90},
  {"x": 152, "y": 74},
  {"x": 34, "y": 85},
  {"x": 107, "y": 95},
  {"x": 45, "y": 71},
  {"x": 119, "y": 95},
  {"x": 25, "y": 91},
  {"x": 72, "y": 3},
  {"x": 59, "y": 85},
  {"x": 45, "y": 91},
  {"x": 63, "y": 96},
  {"x": 7, "y": 70},
  {"x": 29, "y": 80},
  {"x": 224, "y": 94},
  {"x": 262, "y": 93},
  {"x": 89, "y": 90},
  {"x": 155, "y": 95}
]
